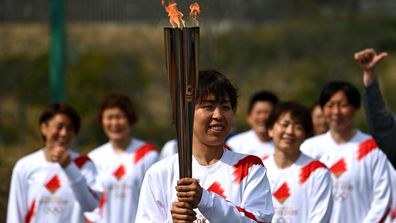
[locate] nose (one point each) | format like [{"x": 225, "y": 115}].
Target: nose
[
  {"x": 290, "y": 129},
  {"x": 217, "y": 114},
  {"x": 113, "y": 120},
  {"x": 63, "y": 131},
  {"x": 336, "y": 109}
]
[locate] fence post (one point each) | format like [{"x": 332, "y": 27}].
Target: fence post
[{"x": 57, "y": 50}]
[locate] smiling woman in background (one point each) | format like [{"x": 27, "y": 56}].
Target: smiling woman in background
[
  {"x": 52, "y": 184},
  {"x": 360, "y": 176},
  {"x": 301, "y": 186},
  {"x": 121, "y": 162}
]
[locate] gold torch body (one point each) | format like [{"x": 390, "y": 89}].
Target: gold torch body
[{"x": 182, "y": 57}]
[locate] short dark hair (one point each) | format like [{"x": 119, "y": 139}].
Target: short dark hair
[
  {"x": 264, "y": 96},
  {"x": 122, "y": 102},
  {"x": 60, "y": 108},
  {"x": 216, "y": 83},
  {"x": 313, "y": 106},
  {"x": 351, "y": 92},
  {"x": 297, "y": 111}
]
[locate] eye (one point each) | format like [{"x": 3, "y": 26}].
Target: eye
[
  {"x": 299, "y": 127},
  {"x": 119, "y": 116},
  {"x": 208, "y": 107},
  {"x": 344, "y": 105},
  {"x": 283, "y": 124},
  {"x": 226, "y": 107},
  {"x": 59, "y": 126}
]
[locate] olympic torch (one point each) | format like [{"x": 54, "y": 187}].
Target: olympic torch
[{"x": 182, "y": 57}]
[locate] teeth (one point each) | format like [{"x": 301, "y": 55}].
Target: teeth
[{"x": 218, "y": 128}]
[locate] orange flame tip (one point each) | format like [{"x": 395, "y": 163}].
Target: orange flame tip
[
  {"x": 194, "y": 11},
  {"x": 175, "y": 16}
]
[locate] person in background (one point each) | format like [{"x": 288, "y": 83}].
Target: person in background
[
  {"x": 169, "y": 148},
  {"x": 54, "y": 184},
  {"x": 226, "y": 186},
  {"x": 361, "y": 191},
  {"x": 121, "y": 162},
  {"x": 301, "y": 186},
  {"x": 318, "y": 120},
  {"x": 381, "y": 122},
  {"x": 256, "y": 140}
]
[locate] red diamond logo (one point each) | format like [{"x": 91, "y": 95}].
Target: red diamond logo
[
  {"x": 54, "y": 184},
  {"x": 217, "y": 189},
  {"x": 120, "y": 172},
  {"x": 338, "y": 168},
  {"x": 282, "y": 193}
]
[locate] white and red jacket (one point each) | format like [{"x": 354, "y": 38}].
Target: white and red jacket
[
  {"x": 121, "y": 176},
  {"x": 169, "y": 148},
  {"x": 392, "y": 173},
  {"x": 236, "y": 189},
  {"x": 41, "y": 191},
  {"x": 301, "y": 192},
  {"x": 248, "y": 143},
  {"x": 361, "y": 182}
]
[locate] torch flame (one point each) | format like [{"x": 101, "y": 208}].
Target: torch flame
[
  {"x": 175, "y": 16},
  {"x": 194, "y": 11}
]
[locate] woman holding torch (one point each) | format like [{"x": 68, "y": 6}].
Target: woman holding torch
[{"x": 225, "y": 186}]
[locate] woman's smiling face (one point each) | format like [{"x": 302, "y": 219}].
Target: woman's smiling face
[
  {"x": 339, "y": 113},
  {"x": 212, "y": 121},
  {"x": 115, "y": 124}
]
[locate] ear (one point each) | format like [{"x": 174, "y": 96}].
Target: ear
[
  {"x": 43, "y": 128},
  {"x": 249, "y": 120},
  {"x": 270, "y": 132}
]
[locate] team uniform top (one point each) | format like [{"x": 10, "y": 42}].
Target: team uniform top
[
  {"x": 121, "y": 177},
  {"x": 301, "y": 192},
  {"x": 361, "y": 190},
  {"x": 392, "y": 173},
  {"x": 248, "y": 143},
  {"x": 168, "y": 149},
  {"x": 235, "y": 189},
  {"x": 41, "y": 191}
]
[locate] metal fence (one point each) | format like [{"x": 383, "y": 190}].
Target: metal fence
[
  {"x": 84, "y": 11},
  {"x": 151, "y": 10}
]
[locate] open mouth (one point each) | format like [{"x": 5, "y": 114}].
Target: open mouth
[
  {"x": 62, "y": 142},
  {"x": 216, "y": 127},
  {"x": 288, "y": 140}
]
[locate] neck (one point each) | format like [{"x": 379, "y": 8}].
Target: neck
[
  {"x": 47, "y": 154},
  {"x": 207, "y": 155},
  {"x": 284, "y": 160},
  {"x": 263, "y": 137},
  {"x": 120, "y": 146},
  {"x": 344, "y": 135}
]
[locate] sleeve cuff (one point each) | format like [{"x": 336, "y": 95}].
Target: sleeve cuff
[{"x": 205, "y": 200}]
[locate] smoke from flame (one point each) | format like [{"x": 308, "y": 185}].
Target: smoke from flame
[{"x": 176, "y": 17}]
